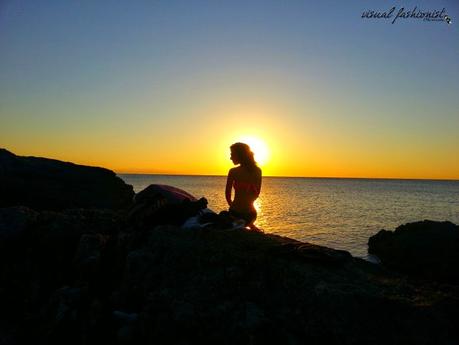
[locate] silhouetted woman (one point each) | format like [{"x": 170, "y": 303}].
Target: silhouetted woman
[{"x": 246, "y": 180}]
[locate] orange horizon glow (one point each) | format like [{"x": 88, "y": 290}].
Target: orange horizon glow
[
  {"x": 221, "y": 164},
  {"x": 287, "y": 150},
  {"x": 311, "y": 143}
]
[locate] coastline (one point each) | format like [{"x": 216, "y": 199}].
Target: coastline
[
  {"x": 91, "y": 274},
  {"x": 340, "y": 214}
]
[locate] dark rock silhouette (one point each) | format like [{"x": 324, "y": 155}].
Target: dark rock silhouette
[
  {"x": 49, "y": 184},
  {"x": 170, "y": 194},
  {"x": 163, "y": 204},
  {"x": 92, "y": 276},
  {"x": 426, "y": 249},
  {"x": 84, "y": 277}
]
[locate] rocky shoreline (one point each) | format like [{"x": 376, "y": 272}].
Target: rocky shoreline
[{"x": 92, "y": 274}]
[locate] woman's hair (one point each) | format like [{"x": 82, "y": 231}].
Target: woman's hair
[{"x": 244, "y": 154}]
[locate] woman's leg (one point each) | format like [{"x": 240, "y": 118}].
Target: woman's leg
[{"x": 249, "y": 218}]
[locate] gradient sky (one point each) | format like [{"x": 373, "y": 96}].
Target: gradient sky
[{"x": 166, "y": 86}]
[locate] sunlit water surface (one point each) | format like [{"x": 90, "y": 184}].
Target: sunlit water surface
[{"x": 337, "y": 213}]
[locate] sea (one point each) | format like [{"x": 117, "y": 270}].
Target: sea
[{"x": 340, "y": 213}]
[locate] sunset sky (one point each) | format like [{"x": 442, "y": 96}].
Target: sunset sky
[{"x": 163, "y": 86}]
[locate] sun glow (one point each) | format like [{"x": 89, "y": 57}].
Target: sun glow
[{"x": 258, "y": 147}]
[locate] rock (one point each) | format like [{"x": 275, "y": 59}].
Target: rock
[
  {"x": 170, "y": 194},
  {"x": 127, "y": 332},
  {"x": 85, "y": 276},
  {"x": 311, "y": 253},
  {"x": 49, "y": 184},
  {"x": 87, "y": 256},
  {"x": 39, "y": 258},
  {"x": 253, "y": 315},
  {"x": 125, "y": 317},
  {"x": 426, "y": 249},
  {"x": 192, "y": 286},
  {"x": 163, "y": 204},
  {"x": 14, "y": 221},
  {"x": 64, "y": 303}
]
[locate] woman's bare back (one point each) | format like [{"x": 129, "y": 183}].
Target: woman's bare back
[{"x": 247, "y": 186}]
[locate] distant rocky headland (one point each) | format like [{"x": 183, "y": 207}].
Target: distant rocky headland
[{"x": 84, "y": 260}]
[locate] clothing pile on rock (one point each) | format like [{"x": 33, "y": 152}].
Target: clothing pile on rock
[{"x": 162, "y": 204}]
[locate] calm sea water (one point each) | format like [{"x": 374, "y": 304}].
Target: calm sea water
[{"x": 337, "y": 213}]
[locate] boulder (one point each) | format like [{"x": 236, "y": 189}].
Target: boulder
[
  {"x": 83, "y": 276},
  {"x": 78, "y": 277},
  {"x": 43, "y": 250},
  {"x": 170, "y": 194},
  {"x": 49, "y": 184},
  {"x": 426, "y": 249},
  {"x": 14, "y": 221},
  {"x": 87, "y": 256},
  {"x": 162, "y": 204}
]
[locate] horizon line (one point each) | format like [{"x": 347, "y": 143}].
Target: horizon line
[{"x": 310, "y": 177}]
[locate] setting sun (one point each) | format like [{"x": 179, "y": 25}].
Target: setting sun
[{"x": 258, "y": 147}]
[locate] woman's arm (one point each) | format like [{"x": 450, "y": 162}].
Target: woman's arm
[
  {"x": 229, "y": 186},
  {"x": 258, "y": 184}
]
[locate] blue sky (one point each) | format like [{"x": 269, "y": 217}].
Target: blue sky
[{"x": 89, "y": 81}]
